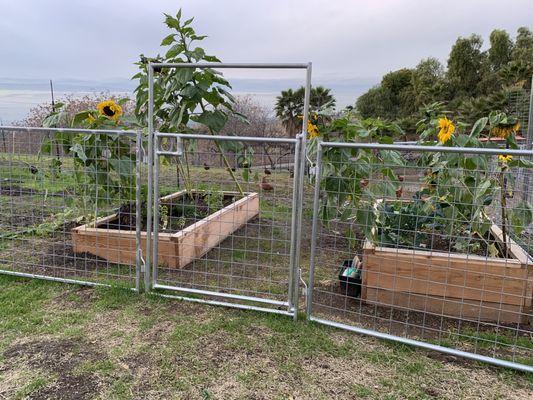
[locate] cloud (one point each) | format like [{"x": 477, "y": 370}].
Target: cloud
[{"x": 100, "y": 39}]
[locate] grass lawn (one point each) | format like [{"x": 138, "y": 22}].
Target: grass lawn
[{"x": 69, "y": 342}]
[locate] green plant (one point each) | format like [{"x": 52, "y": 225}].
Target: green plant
[
  {"x": 163, "y": 216},
  {"x": 455, "y": 193},
  {"x": 182, "y": 95},
  {"x": 103, "y": 164},
  {"x": 214, "y": 200}
]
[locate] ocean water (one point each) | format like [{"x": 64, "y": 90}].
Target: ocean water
[{"x": 18, "y": 97}]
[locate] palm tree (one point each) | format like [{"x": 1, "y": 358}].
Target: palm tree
[
  {"x": 288, "y": 107},
  {"x": 321, "y": 97},
  {"x": 290, "y": 104}
]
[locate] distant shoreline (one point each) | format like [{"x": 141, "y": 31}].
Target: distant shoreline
[{"x": 18, "y": 96}]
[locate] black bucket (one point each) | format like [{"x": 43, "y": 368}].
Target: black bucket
[{"x": 350, "y": 279}]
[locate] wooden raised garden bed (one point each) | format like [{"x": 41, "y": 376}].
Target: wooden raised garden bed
[
  {"x": 176, "y": 249},
  {"x": 454, "y": 285}
]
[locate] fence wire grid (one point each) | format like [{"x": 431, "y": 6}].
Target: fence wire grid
[
  {"x": 423, "y": 245},
  {"x": 50, "y": 200},
  {"x": 223, "y": 218},
  {"x": 397, "y": 247},
  {"x": 413, "y": 243}
]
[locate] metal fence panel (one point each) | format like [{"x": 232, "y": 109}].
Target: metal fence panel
[
  {"x": 258, "y": 293},
  {"x": 58, "y": 211},
  {"x": 425, "y": 245},
  {"x": 222, "y": 223}
]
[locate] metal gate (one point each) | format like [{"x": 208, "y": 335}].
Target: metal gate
[
  {"x": 227, "y": 233},
  {"x": 230, "y": 236},
  {"x": 380, "y": 266}
]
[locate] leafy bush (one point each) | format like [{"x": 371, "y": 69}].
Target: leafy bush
[{"x": 454, "y": 196}]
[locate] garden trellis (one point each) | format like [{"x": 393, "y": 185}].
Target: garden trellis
[{"x": 395, "y": 274}]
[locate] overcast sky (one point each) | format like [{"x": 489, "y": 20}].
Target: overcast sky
[{"x": 345, "y": 39}]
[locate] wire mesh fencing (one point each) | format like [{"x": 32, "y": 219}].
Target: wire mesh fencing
[
  {"x": 59, "y": 191},
  {"x": 425, "y": 245},
  {"x": 223, "y": 219},
  {"x": 519, "y": 106}
]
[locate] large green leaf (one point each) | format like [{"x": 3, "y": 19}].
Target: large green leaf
[
  {"x": 79, "y": 151},
  {"x": 214, "y": 120},
  {"x": 478, "y": 127},
  {"x": 168, "y": 40},
  {"x": 521, "y": 216}
]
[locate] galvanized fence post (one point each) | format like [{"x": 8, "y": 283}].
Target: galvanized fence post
[
  {"x": 526, "y": 191},
  {"x": 316, "y": 201},
  {"x": 139, "y": 261}
]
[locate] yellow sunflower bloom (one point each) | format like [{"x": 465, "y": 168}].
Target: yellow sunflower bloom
[
  {"x": 91, "y": 119},
  {"x": 505, "y": 159},
  {"x": 110, "y": 109},
  {"x": 446, "y": 129},
  {"x": 504, "y": 131},
  {"x": 312, "y": 130}
]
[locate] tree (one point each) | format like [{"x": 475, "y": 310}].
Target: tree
[
  {"x": 465, "y": 65},
  {"x": 393, "y": 98},
  {"x": 524, "y": 44},
  {"x": 501, "y": 47},
  {"x": 259, "y": 120},
  {"x": 72, "y": 104},
  {"x": 398, "y": 87},
  {"x": 373, "y": 103},
  {"x": 520, "y": 68},
  {"x": 259, "y": 123},
  {"x": 288, "y": 108},
  {"x": 320, "y": 97},
  {"x": 290, "y": 105},
  {"x": 428, "y": 82}
]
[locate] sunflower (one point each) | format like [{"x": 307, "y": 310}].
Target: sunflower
[
  {"x": 447, "y": 128},
  {"x": 90, "y": 119},
  {"x": 109, "y": 109},
  {"x": 312, "y": 130},
  {"x": 505, "y": 159},
  {"x": 504, "y": 131}
]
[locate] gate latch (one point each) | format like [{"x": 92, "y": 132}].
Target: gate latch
[{"x": 176, "y": 142}]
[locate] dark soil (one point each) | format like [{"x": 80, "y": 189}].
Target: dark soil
[
  {"x": 61, "y": 357},
  {"x": 330, "y": 300},
  {"x": 175, "y": 215},
  {"x": 10, "y": 189},
  {"x": 60, "y": 254}
]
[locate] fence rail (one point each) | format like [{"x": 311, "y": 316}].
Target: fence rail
[{"x": 376, "y": 257}]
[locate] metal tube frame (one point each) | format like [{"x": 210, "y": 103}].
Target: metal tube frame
[
  {"x": 529, "y": 142},
  {"x": 427, "y": 346},
  {"x": 377, "y": 334},
  {"x": 147, "y": 269},
  {"x": 442, "y": 149},
  {"x": 299, "y": 166},
  {"x": 137, "y": 136},
  {"x": 138, "y": 204},
  {"x": 224, "y": 304},
  {"x": 155, "y": 285},
  {"x": 130, "y": 133}
]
